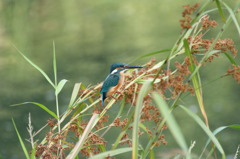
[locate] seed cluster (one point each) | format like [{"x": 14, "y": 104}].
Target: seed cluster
[
  {"x": 207, "y": 23},
  {"x": 118, "y": 123},
  {"x": 186, "y": 14},
  {"x": 92, "y": 144},
  {"x": 126, "y": 140},
  {"x": 169, "y": 83},
  {"x": 53, "y": 148},
  {"x": 160, "y": 140},
  {"x": 234, "y": 72},
  {"x": 200, "y": 45}
]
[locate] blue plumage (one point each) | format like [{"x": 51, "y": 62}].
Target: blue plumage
[
  {"x": 117, "y": 65},
  {"x": 114, "y": 80},
  {"x": 109, "y": 82}
]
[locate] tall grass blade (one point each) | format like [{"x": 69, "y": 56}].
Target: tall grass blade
[
  {"x": 41, "y": 106},
  {"x": 54, "y": 64},
  {"x": 21, "y": 141},
  {"x": 188, "y": 53},
  {"x": 212, "y": 52},
  {"x": 196, "y": 84},
  {"x": 102, "y": 148},
  {"x": 137, "y": 114},
  {"x": 233, "y": 16},
  {"x": 60, "y": 86},
  {"x": 83, "y": 137},
  {"x": 218, "y": 130},
  {"x": 171, "y": 122},
  {"x": 152, "y": 156},
  {"x": 159, "y": 129},
  {"x": 116, "y": 143},
  {"x": 74, "y": 94},
  {"x": 33, "y": 153},
  {"x": 230, "y": 59},
  {"x": 237, "y": 127},
  {"x": 143, "y": 127},
  {"x": 206, "y": 129},
  {"x": 220, "y": 10},
  {"x": 111, "y": 153},
  {"x": 36, "y": 67}
]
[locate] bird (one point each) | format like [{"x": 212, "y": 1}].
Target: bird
[{"x": 115, "y": 79}]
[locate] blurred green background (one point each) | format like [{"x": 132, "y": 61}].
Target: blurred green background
[{"x": 89, "y": 37}]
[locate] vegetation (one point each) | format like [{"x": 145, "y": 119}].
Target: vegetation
[{"x": 148, "y": 99}]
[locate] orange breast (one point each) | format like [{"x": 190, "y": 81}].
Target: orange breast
[{"x": 115, "y": 88}]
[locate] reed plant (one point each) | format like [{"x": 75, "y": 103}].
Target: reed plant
[{"x": 147, "y": 99}]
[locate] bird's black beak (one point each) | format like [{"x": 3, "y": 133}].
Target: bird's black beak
[{"x": 131, "y": 66}]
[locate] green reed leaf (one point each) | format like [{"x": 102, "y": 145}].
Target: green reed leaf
[
  {"x": 196, "y": 80},
  {"x": 220, "y": 10},
  {"x": 21, "y": 141},
  {"x": 152, "y": 156},
  {"x": 230, "y": 58},
  {"x": 231, "y": 12},
  {"x": 220, "y": 129},
  {"x": 54, "y": 63},
  {"x": 83, "y": 137},
  {"x": 171, "y": 122},
  {"x": 41, "y": 106},
  {"x": 60, "y": 86},
  {"x": 137, "y": 114},
  {"x": 235, "y": 126},
  {"x": 206, "y": 129},
  {"x": 75, "y": 91},
  {"x": 111, "y": 153},
  {"x": 33, "y": 152},
  {"x": 36, "y": 67}
]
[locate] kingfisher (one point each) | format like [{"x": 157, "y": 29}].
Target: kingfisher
[{"x": 115, "y": 79}]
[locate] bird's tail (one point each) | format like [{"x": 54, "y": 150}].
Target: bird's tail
[{"x": 103, "y": 97}]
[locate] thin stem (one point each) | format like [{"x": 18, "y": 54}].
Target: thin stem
[
  {"x": 57, "y": 107},
  {"x": 56, "y": 95}
]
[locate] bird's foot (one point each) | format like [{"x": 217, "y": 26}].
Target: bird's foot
[
  {"x": 113, "y": 97},
  {"x": 118, "y": 92}
]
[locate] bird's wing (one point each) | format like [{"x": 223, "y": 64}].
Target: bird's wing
[{"x": 110, "y": 81}]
